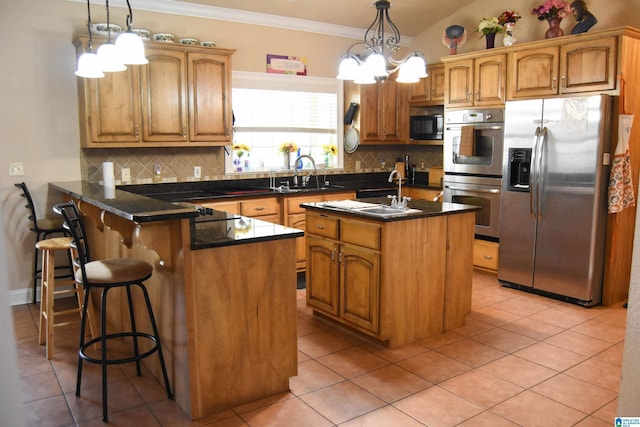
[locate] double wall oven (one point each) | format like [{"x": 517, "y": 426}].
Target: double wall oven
[{"x": 473, "y": 144}]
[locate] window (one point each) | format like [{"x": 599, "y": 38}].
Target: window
[{"x": 274, "y": 109}]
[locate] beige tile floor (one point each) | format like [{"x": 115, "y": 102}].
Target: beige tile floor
[{"x": 521, "y": 359}]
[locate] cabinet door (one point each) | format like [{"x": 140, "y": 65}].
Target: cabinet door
[
  {"x": 489, "y": 80},
  {"x": 299, "y": 221},
  {"x": 436, "y": 81},
  {"x": 209, "y": 98},
  {"x": 164, "y": 107},
  {"x": 533, "y": 72},
  {"x": 370, "y": 121},
  {"x": 322, "y": 275},
  {"x": 360, "y": 287},
  {"x": 588, "y": 66},
  {"x": 421, "y": 91},
  {"x": 459, "y": 91},
  {"x": 113, "y": 104},
  {"x": 388, "y": 99}
]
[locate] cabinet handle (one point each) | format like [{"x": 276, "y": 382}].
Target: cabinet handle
[
  {"x": 333, "y": 255},
  {"x": 340, "y": 257},
  {"x": 320, "y": 227},
  {"x": 184, "y": 131},
  {"x": 487, "y": 256},
  {"x": 564, "y": 82},
  {"x": 553, "y": 83},
  {"x": 477, "y": 95},
  {"x": 469, "y": 96},
  {"x": 136, "y": 131},
  {"x": 259, "y": 208}
]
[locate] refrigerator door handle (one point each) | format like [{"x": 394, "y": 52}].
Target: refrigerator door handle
[
  {"x": 540, "y": 175},
  {"x": 533, "y": 176}
]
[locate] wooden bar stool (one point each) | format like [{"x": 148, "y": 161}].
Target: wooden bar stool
[
  {"x": 105, "y": 275},
  {"x": 48, "y": 291}
]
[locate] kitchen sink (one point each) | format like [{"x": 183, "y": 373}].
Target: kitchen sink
[{"x": 385, "y": 211}]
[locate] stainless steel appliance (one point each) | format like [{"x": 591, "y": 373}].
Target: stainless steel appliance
[
  {"x": 473, "y": 142},
  {"x": 473, "y": 146},
  {"x": 479, "y": 191},
  {"x": 426, "y": 126},
  {"x": 553, "y": 215}
]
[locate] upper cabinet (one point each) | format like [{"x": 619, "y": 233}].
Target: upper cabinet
[
  {"x": 430, "y": 90},
  {"x": 182, "y": 97},
  {"x": 579, "y": 66},
  {"x": 383, "y": 115},
  {"x": 478, "y": 82}
]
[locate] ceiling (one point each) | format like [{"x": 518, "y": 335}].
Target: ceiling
[{"x": 410, "y": 16}]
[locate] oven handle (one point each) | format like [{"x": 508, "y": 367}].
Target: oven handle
[
  {"x": 477, "y": 127},
  {"x": 473, "y": 190}
]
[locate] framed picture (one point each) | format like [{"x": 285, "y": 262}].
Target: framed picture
[{"x": 283, "y": 64}]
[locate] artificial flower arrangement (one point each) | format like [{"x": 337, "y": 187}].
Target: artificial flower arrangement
[
  {"x": 330, "y": 149},
  {"x": 508, "y": 17},
  {"x": 240, "y": 149},
  {"x": 552, "y": 9},
  {"x": 288, "y": 147},
  {"x": 489, "y": 25}
]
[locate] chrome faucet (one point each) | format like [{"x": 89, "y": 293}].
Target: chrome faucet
[
  {"x": 399, "y": 201},
  {"x": 305, "y": 180}
]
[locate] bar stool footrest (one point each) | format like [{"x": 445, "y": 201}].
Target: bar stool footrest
[{"x": 122, "y": 360}]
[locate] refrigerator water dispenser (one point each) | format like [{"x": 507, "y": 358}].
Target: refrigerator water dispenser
[{"x": 519, "y": 169}]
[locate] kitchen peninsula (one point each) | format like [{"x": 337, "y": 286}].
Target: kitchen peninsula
[{"x": 223, "y": 292}]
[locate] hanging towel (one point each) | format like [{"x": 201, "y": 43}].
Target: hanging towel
[
  {"x": 467, "y": 141},
  {"x": 620, "y": 181}
]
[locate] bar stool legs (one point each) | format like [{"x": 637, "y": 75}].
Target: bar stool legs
[
  {"x": 104, "y": 359},
  {"x": 49, "y": 247}
]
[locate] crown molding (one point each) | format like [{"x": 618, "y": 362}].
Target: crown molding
[{"x": 175, "y": 7}]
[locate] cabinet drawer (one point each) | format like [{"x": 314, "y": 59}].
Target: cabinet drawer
[
  {"x": 361, "y": 234},
  {"x": 230, "y": 207},
  {"x": 321, "y": 225},
  {"x": 485, "y": 254},
  {"x": 292, "y": 204},
  {"x": 260, "y": 207}
]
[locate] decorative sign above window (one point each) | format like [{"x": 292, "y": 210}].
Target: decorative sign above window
[{"x": 282, "y": 64}]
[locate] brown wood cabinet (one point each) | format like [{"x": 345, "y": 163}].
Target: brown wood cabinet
[
  {"x": 264, "y": 208},
  {"x": 579, "y": 66},
  {"x": 383, "y": 117},
  {"x": 183, "y": 96},
  {"x": 430, "y": 90},
  {"x": 485, "y": 255},
  {"x": 398, "y": 281},
  {"x": 479, "y": 81},
  {"x": 294, "y": 216},
  {"x": 422, "y": 193}
]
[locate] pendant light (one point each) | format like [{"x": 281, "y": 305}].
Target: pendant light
[
  {"x": 108, "y": 56},
  {"x": 88, "y": 66},
  {"x": 130, "y": 46},
  {"x": 381, "y": 40}
]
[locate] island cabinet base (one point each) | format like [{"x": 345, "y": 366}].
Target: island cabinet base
[
  {"x": 396, "y": 281},
  {"x": 241, "y": 323}
]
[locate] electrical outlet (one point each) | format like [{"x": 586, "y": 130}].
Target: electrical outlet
[
  {"x": 16, "y": 169},
  {"x": 125, "y": 174},
  {"x": 197, "y": 172}
]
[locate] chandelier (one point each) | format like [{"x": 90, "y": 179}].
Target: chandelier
[
  {"x": 377, "y": 63},
  {"x": 128, "y": 49}
]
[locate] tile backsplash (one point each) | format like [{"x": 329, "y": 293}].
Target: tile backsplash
[{"x": 176, "y": 164}]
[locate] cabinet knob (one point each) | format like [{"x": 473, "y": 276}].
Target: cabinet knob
[{"x": 136, "y": 131}]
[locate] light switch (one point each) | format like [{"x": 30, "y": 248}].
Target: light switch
[{"x": 16, "y": 169}]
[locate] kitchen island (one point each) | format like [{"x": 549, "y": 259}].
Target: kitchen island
[
  {"x": 396, "y": 276},
  {"x": 223, "y": 291}
]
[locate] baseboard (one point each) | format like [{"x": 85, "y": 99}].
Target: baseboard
[{"x": 25, "y": 296}]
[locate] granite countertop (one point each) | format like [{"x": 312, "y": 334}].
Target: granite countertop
[{"x": 416, "y": 209}]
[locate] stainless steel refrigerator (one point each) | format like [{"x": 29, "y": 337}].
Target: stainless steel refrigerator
[{"x": 553, "y": 208}]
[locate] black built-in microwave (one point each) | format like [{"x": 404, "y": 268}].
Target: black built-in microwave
[{"x": 428, "y": 126}]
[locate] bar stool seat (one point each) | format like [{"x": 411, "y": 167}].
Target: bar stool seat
[
  {"x": 105, "y": 275},
  {"x": 49, "y": 247}
]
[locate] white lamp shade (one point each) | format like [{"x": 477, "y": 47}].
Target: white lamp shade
[
  {"x": 377, "y": 65},
  {"x": 348, "y": 69},
  {"x": 109, "y": 59},
  {"x": 407, "y": 74},
  {"x": 364, "y": 76},
  {"x": 88, "y": 66},
  {"x": 418, "y": 66},
  {"x": 131, "y": 49}
]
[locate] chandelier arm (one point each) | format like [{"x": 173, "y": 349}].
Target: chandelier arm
[
  {"x": 129, "y": 17},
  {"x": 393, "y": 40},
  {"x": 108, "y": 23},
  {"x": 89, "y": 25}
]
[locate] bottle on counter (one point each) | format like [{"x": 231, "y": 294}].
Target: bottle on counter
[{"x": 407, "y": 168}]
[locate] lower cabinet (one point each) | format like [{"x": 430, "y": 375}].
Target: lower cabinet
[
  {"x": 485, "y": 255},
  {"x": 265, "y": 209},
  {"x": 343, "y": 280},
  {"x": 295, "y": 217}
]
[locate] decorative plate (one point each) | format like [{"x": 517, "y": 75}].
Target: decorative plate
[
  {"x": 189, "y": 41},
  {"x": 101, "y": 29},
  {"x": 164, "y": 37},
  {"x": 142, "y": 33},
  {"x": 208, "y": 43},
  {"x": 351, "y": 139}
]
